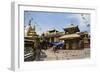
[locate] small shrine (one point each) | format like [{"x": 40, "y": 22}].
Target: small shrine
[
  {"x": 52, "y": 35},
  {"x": 71, "y": 38}
]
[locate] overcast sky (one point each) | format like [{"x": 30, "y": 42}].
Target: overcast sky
[{"x": 45, "y": 21}]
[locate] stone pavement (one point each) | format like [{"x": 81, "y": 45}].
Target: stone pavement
[{"x": 66, "y": 54}]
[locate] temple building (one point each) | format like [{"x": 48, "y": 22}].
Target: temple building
[
  {"x": 52, "y": 35},
  {"x": 85, "y": 38},
  {"x": 74, "y": 39},
  {"x": 30, "y": 39},
  {"x": 30, "y": 31},
  {"x": 71, "y": 38}
]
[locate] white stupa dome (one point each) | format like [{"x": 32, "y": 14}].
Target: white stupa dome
[{"x": 26, "y": 30}]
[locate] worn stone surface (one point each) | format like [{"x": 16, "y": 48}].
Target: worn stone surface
[{"x": 66, "y": 54}]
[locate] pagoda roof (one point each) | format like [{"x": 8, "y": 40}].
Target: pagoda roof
[
  {"x": 72, "y": 26},
  {"x": 52, "y": 30},
  {"x": 69, "y": 36},
  {"x": 28, "y": 40},
  {"x": 82, "y": 33},
  {"x": 58, "y": 34}
]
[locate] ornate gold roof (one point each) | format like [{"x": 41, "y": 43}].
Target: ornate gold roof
[{"x": 30, "y": 31}]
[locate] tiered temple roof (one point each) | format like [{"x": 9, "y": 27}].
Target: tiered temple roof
[
  {"x": 30, "y": 31},
  {"x": 72, "y": 29},
  {"x": 70, "y": 32},
  {"x": 53, "y": 33}
]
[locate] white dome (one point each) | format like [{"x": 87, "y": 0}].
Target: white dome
[{"x": 26, "y": 30}]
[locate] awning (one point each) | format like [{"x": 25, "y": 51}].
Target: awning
[{"x": 58, "y": 43}]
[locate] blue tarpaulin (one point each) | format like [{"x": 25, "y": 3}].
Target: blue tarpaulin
[{"x": 58, "y": 43}]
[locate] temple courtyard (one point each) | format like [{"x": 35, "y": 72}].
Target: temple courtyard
[{"x": 64, "y": 54}]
